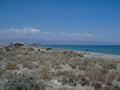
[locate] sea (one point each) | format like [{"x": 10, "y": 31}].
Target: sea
[{"x": 107, "y": 49}]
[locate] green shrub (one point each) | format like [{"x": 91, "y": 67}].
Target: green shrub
[
  {"x": 7, "y": 48},
  {"x": 48, "y": 48},
  {"x": 1, "y": 58},
  {"x": 23, "y": 82}
]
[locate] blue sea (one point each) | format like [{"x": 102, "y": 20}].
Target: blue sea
[{"x": 108, "y": 49}]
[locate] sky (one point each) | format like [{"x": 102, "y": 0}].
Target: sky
[{"x": 85, "y": 20}]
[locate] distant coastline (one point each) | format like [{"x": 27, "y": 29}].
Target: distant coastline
[{"x": 97, "y": 47}]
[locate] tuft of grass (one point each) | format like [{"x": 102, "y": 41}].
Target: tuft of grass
[
  {"x": 44, "y": 73},
  {"x": 11, "y": 66},
  {"x": 109, "y": 64},
  {"x": 72, "y": 54},
  {"x": 31, "y": 49},
  {"x": 80, "y": 54}
]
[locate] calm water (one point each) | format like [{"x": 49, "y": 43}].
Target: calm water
[{"x": 109, "y": 49}]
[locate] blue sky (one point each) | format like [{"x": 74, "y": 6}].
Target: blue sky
[{"x": 86, "y": 20}]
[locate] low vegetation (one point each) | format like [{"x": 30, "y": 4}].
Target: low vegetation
[
  {"x": 23, "y": 82},
  {"x": 36, "y": 68}
]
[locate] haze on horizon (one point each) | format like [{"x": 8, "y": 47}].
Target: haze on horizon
[{"x": 85, "y": 20}]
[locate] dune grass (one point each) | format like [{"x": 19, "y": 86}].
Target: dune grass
[{"x": 68, "y": 67}]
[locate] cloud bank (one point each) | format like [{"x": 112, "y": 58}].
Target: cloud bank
[
  {"x": 46, "y": 35},
  {"x": 23, "y": 30}
]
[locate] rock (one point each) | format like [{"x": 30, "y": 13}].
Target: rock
[{"x": 18, "y": 44}]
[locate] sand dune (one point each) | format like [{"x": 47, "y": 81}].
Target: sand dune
[{"x": 57, "y": 69}]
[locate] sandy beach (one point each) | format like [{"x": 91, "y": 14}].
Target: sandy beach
[{"x": 102, "y": 56}]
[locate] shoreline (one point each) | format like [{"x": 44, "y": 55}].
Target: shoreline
[
  {"x": 105, "y": 56},
  {"x": 92, "y": 54},
  {"x": 90, "y": 48},
  {"x": 102, "y": 55}
]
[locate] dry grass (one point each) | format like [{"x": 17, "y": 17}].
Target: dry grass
[
  {"x": 68, "y": 67},
  {"x": 11, "y": 66}
]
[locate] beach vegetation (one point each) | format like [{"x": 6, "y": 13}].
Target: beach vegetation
[
  {"x": 48, "y": 48},
  {"x": 62, "y": 67},
  {"x": 8, "y": 48},
  {"x": 1, "y": 58},
  {"x": 31, "y": 49},
  {"x": 23, "y": 82},
  {"x": 11, "y": 66}
]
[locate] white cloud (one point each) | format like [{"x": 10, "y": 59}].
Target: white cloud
[
  {"x": 67, "y": 34},
  {"x": 88, "y": 35},
  {"x": 44, "y": 34},
  {"x": 24, "y": 30}
]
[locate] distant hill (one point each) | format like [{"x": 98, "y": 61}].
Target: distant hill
[
  {"x": 55, "y": 42},
  {"x": 77, "y": 42}
]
